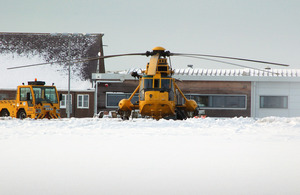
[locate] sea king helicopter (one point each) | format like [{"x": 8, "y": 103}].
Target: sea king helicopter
[{"x": 157, "y": 90}]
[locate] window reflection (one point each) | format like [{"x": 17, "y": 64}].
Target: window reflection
[{"x": 220, "y": 101}]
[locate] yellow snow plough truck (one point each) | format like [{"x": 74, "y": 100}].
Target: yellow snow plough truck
[{"x": 34, "y": 100}]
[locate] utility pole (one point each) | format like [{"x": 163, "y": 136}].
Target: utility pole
[{"x": 69, "y": 82}]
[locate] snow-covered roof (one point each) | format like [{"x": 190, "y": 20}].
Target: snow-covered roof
[
  {"x": 229, "y": 72},
  {"x": 239, "y": 72},
  {"x": 272, "y": 75},
  {"x": 10, "y": 79}
]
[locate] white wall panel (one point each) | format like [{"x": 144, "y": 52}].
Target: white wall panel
[{"x": 290, "y": 89}]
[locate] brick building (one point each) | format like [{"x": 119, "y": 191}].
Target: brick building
[{"x": 221, "y": 93}]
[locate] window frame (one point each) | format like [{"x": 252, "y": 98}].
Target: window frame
[
  {"x": 126, "y": 96},
  {"x": 276, "y": 96},
  {"x": 188, "y": 96},
  {"x": 83, "y": 106},
  {"x": 64, "y": 99},
  {"x": 23, "y": 94}
]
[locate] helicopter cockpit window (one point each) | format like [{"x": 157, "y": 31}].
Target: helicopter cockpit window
[
  {"x": 165, "y": 84},
  {"x": 148, "y": 83},
  {"x": 156, "y": 83}
]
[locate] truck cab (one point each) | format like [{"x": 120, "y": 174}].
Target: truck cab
[{"x": 34, "y": 100}]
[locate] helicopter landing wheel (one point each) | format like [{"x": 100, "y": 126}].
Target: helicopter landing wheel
[
  {"x": 125, "y": 118},
  {"x": 180, "y": 114},
  {"x": 124, "y": 114}
]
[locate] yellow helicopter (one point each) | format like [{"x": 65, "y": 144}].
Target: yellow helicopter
[{"x": 157, "y": 92}]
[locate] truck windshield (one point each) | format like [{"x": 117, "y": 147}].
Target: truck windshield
[{"x": 45, "y": 94}]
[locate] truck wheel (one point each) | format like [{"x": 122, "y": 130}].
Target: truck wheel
[
  {"x": 4, "y": 113},
  {"x": 22, "y": 114}
]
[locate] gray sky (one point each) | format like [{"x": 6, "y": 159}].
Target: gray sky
[{"x": 259, "y": 29}]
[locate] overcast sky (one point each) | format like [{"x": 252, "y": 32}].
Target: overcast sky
[{"x": 259, "y": 29}]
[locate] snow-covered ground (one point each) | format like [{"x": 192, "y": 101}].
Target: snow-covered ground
[{"x": 144, "y": 156}]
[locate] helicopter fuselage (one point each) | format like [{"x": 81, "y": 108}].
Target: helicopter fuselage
[{"x": 156, "y": 96}]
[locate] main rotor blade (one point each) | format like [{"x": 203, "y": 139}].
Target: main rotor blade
[
  {"x": 76, "y": 60},
  {"x": 226, "y": 57},
  {"x": 234, "y": 64},
  {"x": 153, "y": 64}
]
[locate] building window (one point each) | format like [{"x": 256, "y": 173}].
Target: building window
[
  {"x": 63, "y": 102},
  {"x": 220, "y": 101},
  {"x": 83, "y": 101},
  {"x": 273, "y": 101},
  {"x": 113, "y": 99}
]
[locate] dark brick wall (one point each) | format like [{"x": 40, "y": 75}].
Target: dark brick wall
[
  {"x": 79, "y": 112},
  {"x": 7, "y": 94},
  {"x": 220, "y": 87}
]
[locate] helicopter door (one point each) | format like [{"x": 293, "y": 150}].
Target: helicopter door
[{"x": 146, "y": 84}]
